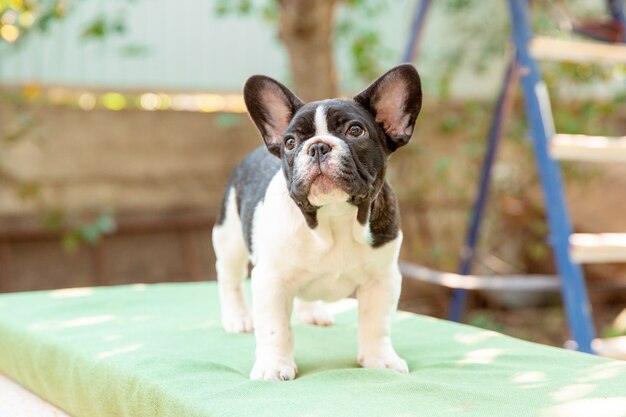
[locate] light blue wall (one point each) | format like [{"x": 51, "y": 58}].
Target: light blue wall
[{"x": 189, "y": 47}]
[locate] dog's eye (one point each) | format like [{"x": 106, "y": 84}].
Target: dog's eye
[
  {"x": 355, "y": 131},
  {"x": 290, "y": 143}
]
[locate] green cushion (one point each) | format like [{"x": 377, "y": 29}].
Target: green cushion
[{"x": 159, "y": 350}]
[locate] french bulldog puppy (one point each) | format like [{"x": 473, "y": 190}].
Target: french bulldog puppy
[{"x": 314, "y": 214}]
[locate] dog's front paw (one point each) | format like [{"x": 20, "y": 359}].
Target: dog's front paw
[
  {"x": 240, "y": 322},
  {"x": 274, "y": 369},
  {"x": 385, "y": 358}
]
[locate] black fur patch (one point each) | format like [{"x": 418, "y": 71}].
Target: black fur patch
[
  {"x": 385, "y": 217},
  {"x": 250, "y": 180}
]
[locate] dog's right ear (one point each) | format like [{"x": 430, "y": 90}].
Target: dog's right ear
[{"x": 271, "y": 106}]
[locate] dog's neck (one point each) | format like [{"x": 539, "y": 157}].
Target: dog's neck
[{"x": 337, "y": 222}]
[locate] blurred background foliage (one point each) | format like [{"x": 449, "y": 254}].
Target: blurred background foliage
[
  {"x": 476, "y": 45},
  {"x": 20, "y": 19},
  {"x": 436, "y": 175}
]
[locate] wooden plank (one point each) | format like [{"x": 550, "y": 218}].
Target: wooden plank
[
  {"x": 588, "y": 148},
  {"x": 481, "y": 282},
  {"x": 189, "y": 253},
  {"x": 29, "y": 227},
  {"x": 550, "y": 49},
  {"x": 598, "y": 248},
  {"x": 6, "y": 265},
  {"x": 100, "y": 259},
  {"x": 614, "y": 347}
]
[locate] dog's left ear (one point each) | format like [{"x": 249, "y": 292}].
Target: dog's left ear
[{"x": 395, "y": 100}]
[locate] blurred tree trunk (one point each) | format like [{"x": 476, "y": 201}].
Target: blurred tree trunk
[{"x": 306, "y": 29}]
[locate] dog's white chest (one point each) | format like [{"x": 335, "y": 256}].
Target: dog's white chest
[
  {"x": 327, "y": 263},
  {"x": 330, "y": 287}
]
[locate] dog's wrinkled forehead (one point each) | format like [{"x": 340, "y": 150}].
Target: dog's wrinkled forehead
[{"x": 329, "y": 117}]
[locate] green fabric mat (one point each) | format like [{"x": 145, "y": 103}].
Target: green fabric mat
[{"x": 159, "y": 350}]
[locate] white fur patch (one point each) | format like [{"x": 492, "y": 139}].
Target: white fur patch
[
  {"x": 329, "y": 261},
  {"x": 324, "y": 192},
  {"x": 362, "y": 234},
  {"x": 232, "y": 267},
  {"x": 321, "y": 124}
]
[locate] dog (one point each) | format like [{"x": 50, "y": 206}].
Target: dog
[{"x": 313, "y": 213}]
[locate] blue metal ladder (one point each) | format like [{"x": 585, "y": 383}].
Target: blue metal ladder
[{"x": 547, "y": 146}]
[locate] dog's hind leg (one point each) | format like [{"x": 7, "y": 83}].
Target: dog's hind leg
[
  {"x": 232, "y": 267},
  {"x": 313, "y": 313}
]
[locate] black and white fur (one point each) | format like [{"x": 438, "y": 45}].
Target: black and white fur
[{"x": 314, "y": 214}]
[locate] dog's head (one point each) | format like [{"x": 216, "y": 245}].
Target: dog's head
[{"x": 336, "y": 150}]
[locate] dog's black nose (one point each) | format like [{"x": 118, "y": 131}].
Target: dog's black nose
[{"x": 319, "y": 150}]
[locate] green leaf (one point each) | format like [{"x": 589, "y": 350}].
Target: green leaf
[
  {"x": 614, "y": 332},
  {"x": 450, "y": 123},
  {"x": 90, "y": 233},
  {"x": 484, "y": 322},
  {"x": 29, "y": 190},
  {"x": 96, "y": 29},
  {"x": 227, "y": 120},
  {"x": 54, "y": 219},
  {"x": 441, "y": 165},
  {"x": 71, "y": 242},
  {"x": 106, "y": 223},
  {"x": 134, "y": 50},
  {"x": 119, "y": 26}
]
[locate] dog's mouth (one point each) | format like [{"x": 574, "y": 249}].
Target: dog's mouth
[
  {"x": 331, "y": 182},
  {"x": 325, "y": 190},
  {"x": 322, "y": 178},
  {"x": 323, "y": 183},
  {"x": 317, "y": 169}
]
